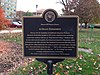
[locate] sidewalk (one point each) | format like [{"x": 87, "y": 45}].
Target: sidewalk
[{"x": 10, "y": 31}]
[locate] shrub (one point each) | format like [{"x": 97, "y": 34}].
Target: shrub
[{"x": 4, "y": 22}]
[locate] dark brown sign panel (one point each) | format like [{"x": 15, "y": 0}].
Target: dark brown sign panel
[{"x": 50, "y": 36}]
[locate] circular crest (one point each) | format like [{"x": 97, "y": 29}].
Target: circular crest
[{"x": 49, "y": 16}]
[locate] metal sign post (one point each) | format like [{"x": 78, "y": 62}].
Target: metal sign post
[
  {"x": 91, "y": 30},
  {"x": 50, "y": 38},
  {"x": 49, "y": 63}
]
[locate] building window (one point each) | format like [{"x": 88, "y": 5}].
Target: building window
[
  {"x": 14, "y": 10},
  {"x": 7, "y": 4},
  {"x": 7, "y": 0},
  {"x": 7, "y": 8},
  {"x": 2, "y": 3},
  {"x": 7, "y": 16}
]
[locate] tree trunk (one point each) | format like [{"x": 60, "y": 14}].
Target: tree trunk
[{"x": 86, "y": 26}]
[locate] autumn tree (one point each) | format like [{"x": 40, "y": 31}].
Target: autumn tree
[
  {"x": 3, "y": 21},
  {"x": 88, "y": 11},
  {"x": 19, "y": 15},
  {"x": 69, "y": 6}
]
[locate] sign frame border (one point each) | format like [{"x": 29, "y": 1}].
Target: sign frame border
[{"x": 54, "y": 57}]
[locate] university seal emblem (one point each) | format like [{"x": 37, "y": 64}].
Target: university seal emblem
[{"x": 49, "y": 16}]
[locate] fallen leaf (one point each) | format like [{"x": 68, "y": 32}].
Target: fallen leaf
[{"x": 57, "y": 74}]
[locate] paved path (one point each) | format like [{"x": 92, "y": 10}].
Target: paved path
[
  {"x": 10, "y": 31},
  {"x": 85, "y": 50}
]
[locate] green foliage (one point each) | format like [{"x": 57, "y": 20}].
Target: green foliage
[
  {"x": 96, "y": 20},
  {"x": 28, "y": 14}
]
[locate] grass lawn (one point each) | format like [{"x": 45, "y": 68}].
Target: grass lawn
[
  {"x": 88, "y": 39},
  {"x": 14, "y": 37},
  {"x": 84, "y": 64}
]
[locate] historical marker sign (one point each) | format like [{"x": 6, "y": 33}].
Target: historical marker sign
[{"x": 50, "y": 35}]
